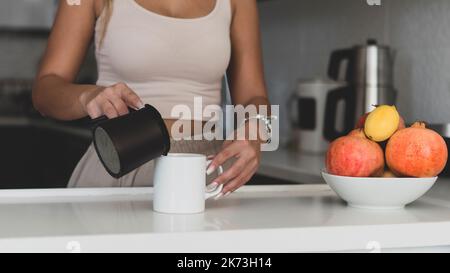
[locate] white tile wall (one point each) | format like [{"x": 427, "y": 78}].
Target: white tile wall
[
  {"x": 298, "y": 36},
  {"x": 420, "y": 31},
  {"x": 20, "y": 55},
  {"x": 27, "y": 13}
]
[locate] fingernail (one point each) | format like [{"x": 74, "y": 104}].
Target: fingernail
[
  {"x": 218, "y": 196},
  {"x": 140, "y": 105},
  {"x": 212, "y": 186},
  {"x": 226, "y": 194},
  {"x": 210, "y": 170}
]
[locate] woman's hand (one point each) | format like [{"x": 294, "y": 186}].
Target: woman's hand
[
  {"x": 110, "y": 101},
  {"x": 248, "y": 155}
]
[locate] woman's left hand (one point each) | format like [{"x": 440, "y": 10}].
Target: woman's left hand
[{"x": 248, "y": 155}]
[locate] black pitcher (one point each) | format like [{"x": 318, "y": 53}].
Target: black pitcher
[{"x": 125, "y": 143}]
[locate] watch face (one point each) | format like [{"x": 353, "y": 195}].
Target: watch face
[
  {"x": 263, "y": 127},
  {"x": 266, "y": 130}
]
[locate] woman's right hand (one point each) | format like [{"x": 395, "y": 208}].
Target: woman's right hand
[{"x": 112, "y": 101}]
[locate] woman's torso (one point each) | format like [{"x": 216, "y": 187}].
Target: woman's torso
[{"x": 167, "y": 61}]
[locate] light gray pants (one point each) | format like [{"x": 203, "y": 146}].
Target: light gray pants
[{"x": 91, "y": 173}]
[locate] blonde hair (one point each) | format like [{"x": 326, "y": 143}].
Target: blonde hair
[{"x": 105, "y": 18}]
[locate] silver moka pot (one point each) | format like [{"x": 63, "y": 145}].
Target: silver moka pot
[
  {"x": 370, "y": 81},
  {"x": 125, "y": 143}
]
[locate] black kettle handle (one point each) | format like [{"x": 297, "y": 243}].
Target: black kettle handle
[
  {"x": 336, "y": 60},
  {"x": 347, "y": 95}
]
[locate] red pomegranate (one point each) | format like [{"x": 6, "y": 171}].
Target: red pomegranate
[
  {"x": 362, "y": 120},
  {"x": 416, "y": 152},
  {"x": 355, "y": 155}
]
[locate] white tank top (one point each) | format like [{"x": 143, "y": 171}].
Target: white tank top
[{"x": 167, "y": 61}]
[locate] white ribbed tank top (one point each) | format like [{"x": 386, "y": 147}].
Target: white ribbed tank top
[{"x": 167, "y": 61}]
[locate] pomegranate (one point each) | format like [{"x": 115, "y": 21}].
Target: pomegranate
[
  {"x": 416, "y": 152},
  {"x": 361, "y": 121},
  {"x": 355, "y": 155}
]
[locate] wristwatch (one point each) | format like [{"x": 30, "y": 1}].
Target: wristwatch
[{"x": 267, "y": 121}]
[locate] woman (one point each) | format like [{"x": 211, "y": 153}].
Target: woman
[{"x": 163, "y": 53}]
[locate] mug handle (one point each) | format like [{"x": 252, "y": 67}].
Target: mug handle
[{"x": 218, "y": 189}]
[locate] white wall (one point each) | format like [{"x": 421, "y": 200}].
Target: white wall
[
  {"x": 27, "y": 13},
  {"x": 20, "y": 55},
  {"x": 420, "y": 31},
  {"x": 299, "y": 35}
]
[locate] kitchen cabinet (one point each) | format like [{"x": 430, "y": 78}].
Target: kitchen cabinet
[
  {"x": 287, "y": 164},
  {"x": 38, "y": 153}
]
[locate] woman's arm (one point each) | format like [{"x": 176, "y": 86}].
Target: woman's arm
[
  {"x": 246, "y": 72},
  {"x": 247, "y": 86},
  {"x": 54, "y": 93}
]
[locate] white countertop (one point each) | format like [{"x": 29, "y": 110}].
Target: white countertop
[{"x": 254, "y": 219}]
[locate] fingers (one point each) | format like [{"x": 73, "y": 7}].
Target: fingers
[
  {"x": 130, "y": 97},
  {"x": 104, "y": 105},
  {"x": 113, "y": 102},
  {"x": 114, "y": 98},
  {"x": 93, "y": 109},
  {"x": 235, "y": 170},
  {"x": 222, "y": 157},
  {"x": 241, "y": 179},
  {"x": 239, "y": 173},
  {"x": 109, "y": 110},
  {"x": 242, "y": 170}
]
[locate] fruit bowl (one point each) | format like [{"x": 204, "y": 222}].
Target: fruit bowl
[{"x": 378, "y": 192}]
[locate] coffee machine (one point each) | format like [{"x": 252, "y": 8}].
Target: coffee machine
[
  {"x": 307, "y": 114},
  {"x": 368, "y": 71}
]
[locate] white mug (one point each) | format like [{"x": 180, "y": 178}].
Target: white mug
[{"x": 180, "y": 184}]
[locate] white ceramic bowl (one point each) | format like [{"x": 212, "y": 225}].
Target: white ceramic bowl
[{"x": 379, "y": 193}]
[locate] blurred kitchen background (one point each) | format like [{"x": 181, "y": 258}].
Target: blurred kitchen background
[{"x": 298, "y": 37}]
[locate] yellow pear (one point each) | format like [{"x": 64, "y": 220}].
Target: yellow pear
[{"x": 382, "y": 123}]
